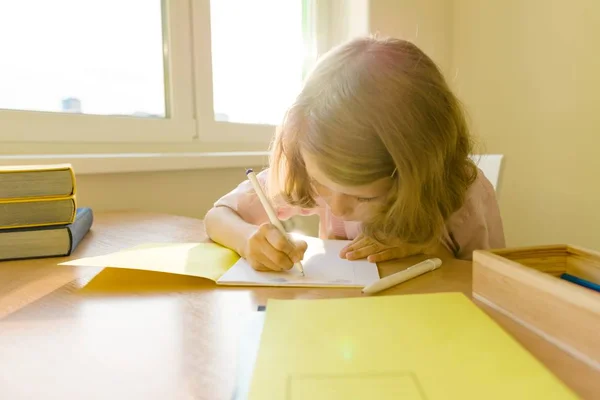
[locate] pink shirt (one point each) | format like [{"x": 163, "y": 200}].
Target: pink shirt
[{"x": 476, "y": 225}]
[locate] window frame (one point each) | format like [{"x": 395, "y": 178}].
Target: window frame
[
  {"x": 208, "y": 129},
  {"x": 188, "y": 92},
  {"x": 19, "y": 126}
]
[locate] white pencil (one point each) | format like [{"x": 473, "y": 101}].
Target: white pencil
[
  {"x": 269, "y": 209},
  {"x": 403, "y": 276}
]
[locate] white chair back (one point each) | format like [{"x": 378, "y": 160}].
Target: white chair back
[{"x": 490, "y": 164}]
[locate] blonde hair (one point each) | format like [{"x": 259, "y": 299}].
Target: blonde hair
[{"x": 374, "y": 108}]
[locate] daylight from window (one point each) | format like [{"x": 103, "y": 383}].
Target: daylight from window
[
  {"x": 257, "y": 58},
  {"x": 82, "y": 56},
  {"x": 107, "y": 57}
]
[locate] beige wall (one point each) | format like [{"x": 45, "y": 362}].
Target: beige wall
[
  {"x": 189, "y": 193},
  {"x": 428, "y": 23},
  {"x": 529, "y": 72}
]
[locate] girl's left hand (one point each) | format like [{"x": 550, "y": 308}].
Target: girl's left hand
[{"x": 373, "y": 251}]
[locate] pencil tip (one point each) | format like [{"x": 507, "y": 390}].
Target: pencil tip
[{"x": 249, "y": 170}]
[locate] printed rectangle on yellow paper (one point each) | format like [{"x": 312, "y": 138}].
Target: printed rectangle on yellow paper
[{"x": 362, "y": 386}]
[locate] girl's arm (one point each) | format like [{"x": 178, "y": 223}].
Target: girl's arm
[
  {"x": 239, "y": 221},
  {"x": 264, "y": 247},
  {"x": 226, "y": 227}
]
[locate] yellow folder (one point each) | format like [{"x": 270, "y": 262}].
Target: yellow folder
[
  {"x": 204, "y": 260},
  {"x": 411, "y": 347}
]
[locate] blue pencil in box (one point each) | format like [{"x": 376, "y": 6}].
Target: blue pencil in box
[
  {"x": 45, "y": 241},
  {"x": 581, "y": 282}
]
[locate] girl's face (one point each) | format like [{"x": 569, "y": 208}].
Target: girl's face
[{"x": 350, "y": 203}]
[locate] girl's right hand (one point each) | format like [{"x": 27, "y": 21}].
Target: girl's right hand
[{"x": 268, "y": 250}]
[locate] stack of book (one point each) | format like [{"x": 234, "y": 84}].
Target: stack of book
[{"x": 38, "y": 212}]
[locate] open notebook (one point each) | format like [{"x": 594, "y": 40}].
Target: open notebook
[{"x": 322, "y": 265}]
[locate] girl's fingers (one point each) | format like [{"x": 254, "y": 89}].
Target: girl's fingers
[
  {"x": 363, "y": 252},
  {"x": 266, "y": 257},
  {"x": 357, "y": 243},
  {"x": 275, "y": 259},
  {"x": 298, "y": 254},
  {"x": 385, "y": 255},
  {"x": 255, "y": 264},
  {"x": 277, "y": 239}
]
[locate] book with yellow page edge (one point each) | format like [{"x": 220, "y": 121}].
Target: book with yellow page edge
[
  {"x": 410, "y": 347},
  {"x": 37, "y": 195},
  {"x": 45, "y": 241},
  {"x": 322, "y": 265}
]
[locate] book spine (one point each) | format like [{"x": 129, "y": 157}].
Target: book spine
[
  {"x": 73, "y": 181},
  {"x": 79, "y": 228}
]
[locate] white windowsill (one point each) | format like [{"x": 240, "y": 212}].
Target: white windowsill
[{"x": 109, "y": 163}]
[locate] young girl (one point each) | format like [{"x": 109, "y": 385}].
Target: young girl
[{"x": 377, "y": 145}]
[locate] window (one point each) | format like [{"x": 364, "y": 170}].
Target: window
[
  {"x": 253, "y": 84},
  {"x": 151, "y": 70},
  {"x": 66, "y": 58}
]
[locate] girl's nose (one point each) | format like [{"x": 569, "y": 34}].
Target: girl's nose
[{"x": 340, "y": 205}]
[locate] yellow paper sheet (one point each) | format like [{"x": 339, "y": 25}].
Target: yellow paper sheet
[
  {"x": 436, "y": 346},
  {"x": 205, "y": 260}
]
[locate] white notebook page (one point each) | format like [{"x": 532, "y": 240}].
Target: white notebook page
[{"x": 323, "y": 267}]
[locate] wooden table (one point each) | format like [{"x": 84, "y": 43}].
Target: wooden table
[{"x": 89, "y": 333}]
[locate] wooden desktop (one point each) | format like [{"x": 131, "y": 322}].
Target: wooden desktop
[{"x": 93, "y": 333}]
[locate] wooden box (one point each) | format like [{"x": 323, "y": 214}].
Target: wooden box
[{"x": 525, "y": 284}]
